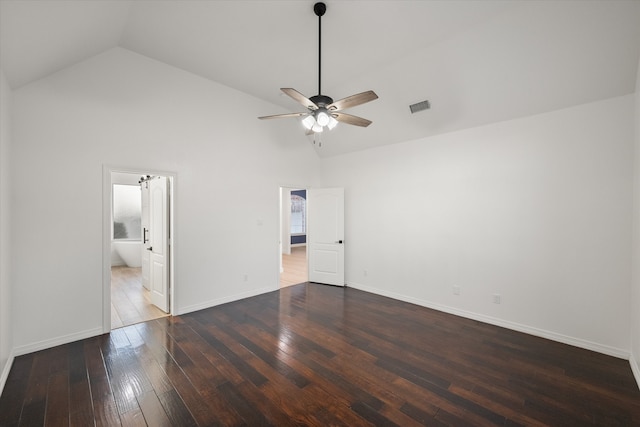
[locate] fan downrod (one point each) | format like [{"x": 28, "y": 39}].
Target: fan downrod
[{"x": 319, "y": 8}]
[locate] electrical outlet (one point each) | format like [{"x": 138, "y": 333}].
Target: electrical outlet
[
  {"x": 456, "y": 290},
  {"x": 497, "y": 299}
]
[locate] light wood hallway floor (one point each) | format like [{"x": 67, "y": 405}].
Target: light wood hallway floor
[
  {"x": 130, "y": 301},
  {"x": 295, "y": 267}
]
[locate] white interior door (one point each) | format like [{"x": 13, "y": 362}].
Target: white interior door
[
  {"x": 146, "y": 255},
  {"x": 325, "y": 235},
  {"x": 159, "y": 243}
]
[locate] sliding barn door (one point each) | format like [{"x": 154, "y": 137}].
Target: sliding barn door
[
  {"x": 146, "y": 218},
  {"x": 159, "y": 243}
]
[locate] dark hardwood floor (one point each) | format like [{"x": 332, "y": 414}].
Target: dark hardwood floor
[{"x": 318, "y": 355}]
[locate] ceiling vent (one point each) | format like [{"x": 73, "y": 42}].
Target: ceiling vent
[{"x": 420, "y": 106}]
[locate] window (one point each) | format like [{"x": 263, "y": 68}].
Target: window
[
  {"x": 298, "y": 214},
  {"x": 127, "y": 212}
]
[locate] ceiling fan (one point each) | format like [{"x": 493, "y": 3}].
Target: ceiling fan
[{"x": 323, "y": 111}]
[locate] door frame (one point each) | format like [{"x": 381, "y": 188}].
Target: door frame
[{"x": 107, "y": 198}]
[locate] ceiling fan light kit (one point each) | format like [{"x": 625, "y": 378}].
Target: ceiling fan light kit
[{"x": 322, "y": 112}]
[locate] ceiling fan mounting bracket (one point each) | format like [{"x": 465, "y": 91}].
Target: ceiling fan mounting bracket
[{"x": 319, "y": 8}]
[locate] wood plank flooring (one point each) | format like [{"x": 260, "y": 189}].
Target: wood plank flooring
[
  {"x": 294, "y": 266},
  {"x": 130, "y": 301},
  {"x": 318, "y": 355}
]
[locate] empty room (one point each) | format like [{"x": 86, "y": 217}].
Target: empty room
[{"x": 466, "y": 219}]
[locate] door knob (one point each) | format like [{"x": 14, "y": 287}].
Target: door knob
[
  {"x": 150, "y": 248},
  {"x": 339, "y": 241}
]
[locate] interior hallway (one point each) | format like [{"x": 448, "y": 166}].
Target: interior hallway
[
  {"x": 295, "y": 267},
  {"x": 130, "y": 301}
]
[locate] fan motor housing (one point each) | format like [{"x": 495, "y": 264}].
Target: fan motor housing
[{"x": 321, "y": 100}]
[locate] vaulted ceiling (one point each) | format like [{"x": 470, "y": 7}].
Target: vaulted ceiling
[{"x": 477, "y": 62}]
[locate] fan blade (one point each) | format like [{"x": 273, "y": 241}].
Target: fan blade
[
  {"x": 300, "y": 98},
  {"x": 280, "y": 116},
  {"x": 353, "y": 100},
  {"x": 351, "y": 120}
]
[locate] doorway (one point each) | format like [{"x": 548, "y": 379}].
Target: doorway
[
  {"x": 293, "y": 226},
  {"x": 138, "y": 250},
  {"x": 321, "y": 218}
]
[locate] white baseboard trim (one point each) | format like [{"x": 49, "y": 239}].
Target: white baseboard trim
[
  {"x": 224, "y": 300},
  {"x": 635, "y": 368},
  {"x": 6, "y": 370},
  {"x": 576, "y": 342},
  {"x": 53, "y": 342}
]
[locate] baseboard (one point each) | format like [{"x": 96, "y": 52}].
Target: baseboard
[
  {"x": 5, "y": 371},
  {"x": 635, "y": 368},
  {"x": 42, "y": 345},
  {"x": 576, "y": 342},
  {"x": 53, "y": 342},
  {"x": 224, "y": 300}
]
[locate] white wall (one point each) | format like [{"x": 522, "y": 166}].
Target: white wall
[
  {"x": 126, "y": 110},
  {"x": 537, "y": 210},
  {"x": 6, "y": 323},
  {"x": 635, "y": 286}
]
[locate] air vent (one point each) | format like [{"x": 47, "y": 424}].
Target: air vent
[{"x": 420, "y": 106}]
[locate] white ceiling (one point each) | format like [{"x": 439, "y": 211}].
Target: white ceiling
[{"x": 477, "y": 62}]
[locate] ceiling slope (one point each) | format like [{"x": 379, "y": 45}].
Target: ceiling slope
[
  {"x": 477, "y": 62},
  {"x": 40, "y": 37}
]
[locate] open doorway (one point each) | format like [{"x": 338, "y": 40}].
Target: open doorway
[
  {"x": 293, "y": 224},
  {"x": 138, "y": 258}
]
